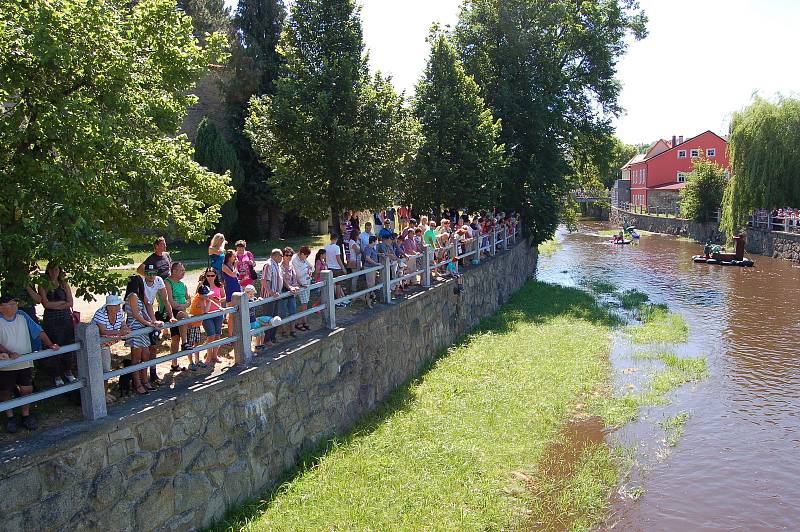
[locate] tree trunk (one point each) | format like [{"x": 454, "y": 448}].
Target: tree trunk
[{"x": 275, "y": 221}]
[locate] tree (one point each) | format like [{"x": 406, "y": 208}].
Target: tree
[
  {"x": 547, "y": 69},
  {"x": 765, "y": 161},
  {"x": 459, "y": 162},
  {"x": 95, "y": 92},
  {"x": 705, "y": 185},
  {"x": 253, "y": 69},
  {"x": 208, "y": 16},
  {"x": 215, "y": 153},
  {"x": 337, "y": 137}
]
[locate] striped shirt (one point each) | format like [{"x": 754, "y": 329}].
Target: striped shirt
[
  {"x": 273, "y": 275},
  {"x": 101, "y": 318}
]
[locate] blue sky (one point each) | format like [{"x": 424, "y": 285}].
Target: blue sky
[{"x": 702, "y": 60}]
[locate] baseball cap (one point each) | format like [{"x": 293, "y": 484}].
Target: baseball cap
[
  {"x": 250, "y": 288},
  {"x": 150, "y": 269},
  {"x": 203, "y": 290},
  {"x": 5, "y": 298}
]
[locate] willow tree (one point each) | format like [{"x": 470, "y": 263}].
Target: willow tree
[
  {"x": 337, "y": 136},
  {"x": 765, "y": 160},
  {"x": 94, "y": 93},
  {"x": 460, "y": 160}
]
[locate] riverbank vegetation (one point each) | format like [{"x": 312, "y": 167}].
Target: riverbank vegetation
[
  {"x": 457, "y": 447},
  {"x": 659, "y": 325}
]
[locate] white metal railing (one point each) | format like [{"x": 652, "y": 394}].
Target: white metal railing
[{"x": 91, "y": 376}]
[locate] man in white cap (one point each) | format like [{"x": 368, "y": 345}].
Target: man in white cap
[{"x": 111, "y": 321}]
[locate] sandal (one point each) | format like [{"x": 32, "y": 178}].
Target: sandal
[
  {"x": 149, "y": 387},
  {"x": 141, "y": 390}
]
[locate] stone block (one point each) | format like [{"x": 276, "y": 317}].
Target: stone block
[
  {"x": 166, "y": 462},
  {"x": 116, "y": 452},
  {"x": 191, "y": 491},
  {"x": 57, "y": 510},
  {"x": 137, "y": 486},
  {"x": 150, "y": 437},
  {"x": 19, "y": 490},
  {"x": 89, "y": 458},
  {"x": 109, "y": 487},
  {"x": 157, "y": 505},
  {"x": 57, "y": 474},
  {"x": 121, "y": 434}
]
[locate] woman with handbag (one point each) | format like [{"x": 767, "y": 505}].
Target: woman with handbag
[{"x": 59, "y": 323}]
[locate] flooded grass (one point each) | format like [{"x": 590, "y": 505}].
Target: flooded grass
[
  {"x": 633, "y": 299},
  {"x": 548, "y": 247},
  {"x": 469, "y": 444},
  {"x": 675, "y": 426},
  {"x": 659, "y": 325},
  {"x": 600, "y": 287}
]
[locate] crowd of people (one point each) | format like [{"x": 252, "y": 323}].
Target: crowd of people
[
  {"x": 787, "y": 218},
  {"x": 158, "y": 296}
]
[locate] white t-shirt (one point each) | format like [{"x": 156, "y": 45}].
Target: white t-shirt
[
  {"x": 303, "y": 270},
  {"x": 16, "y": 337},
  {"x": 150, "y": 292},
  {"x": 331, "y": 252},
  {"x": 355, "y": 250}
]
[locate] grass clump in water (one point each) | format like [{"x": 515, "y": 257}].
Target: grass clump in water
[
  {"x": 676, "y": 372},
  {"x": 440, "y": 453},
  {"x": 633, "y": 299},
  {"x": 600, "y": 287},
  {"x": 675, "y": 427},
  {"x": 659, "y": 326},
  {"x": 548, "y": 247}
]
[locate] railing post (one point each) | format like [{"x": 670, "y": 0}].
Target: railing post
[
  {"x": 505, "y": 238},
  {"x": 328, "y": 297},
  {"x": 769, "y": 222},
  {"x": 386, "y": 274},
  {"x": 90, "y": 371},
  {"x": 455, "y": 248},
  {"x": 477, "y": 258},
  {"x": 242, "y": 348},
  {"x": 493, "y": 242},
  {"x": 428, "y": 258}
]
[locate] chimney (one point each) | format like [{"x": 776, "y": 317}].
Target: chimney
[
  {"x": 680, "y": 139},
  {"x": 673, "y": 141}
]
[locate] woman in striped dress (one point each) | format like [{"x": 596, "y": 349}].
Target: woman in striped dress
[{"x": 138, "y": 319}]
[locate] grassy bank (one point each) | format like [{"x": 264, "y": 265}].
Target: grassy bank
[{"x": 460, "y": 446}]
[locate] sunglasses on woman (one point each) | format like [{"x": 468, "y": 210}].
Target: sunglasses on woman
[{"x": 211, "y": 275}]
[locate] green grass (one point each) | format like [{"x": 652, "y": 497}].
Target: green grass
[
  {"x": 675, "y": 427},
  {"x": 632, "y": 299},
  {"x": 447, "y": 450},
  {"x": 676, "y": 371},
  {"x": 600, "y": 287},
  {"x": 659, "y": 326},
  {"x": 548, "y": 247}
]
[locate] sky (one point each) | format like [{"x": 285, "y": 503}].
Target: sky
[{"x": 702, "y": 59}]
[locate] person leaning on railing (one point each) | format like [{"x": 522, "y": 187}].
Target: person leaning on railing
[
  {"x": 19, "y": 334},
  {"x": 111, "y": 323}
]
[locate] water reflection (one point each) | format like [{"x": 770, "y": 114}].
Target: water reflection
[{"x": 738, "y": 464}]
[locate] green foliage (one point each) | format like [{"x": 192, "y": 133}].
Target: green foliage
[
  {"x": 764, "y": 160},
  {"x": 337, "y": 137},
  {"x": 705, "y": 185},
  {"x": 254, "y": 66},
  {"x": 659, "y": 326},
  {"x": 215, "y": 153},
  {"x": 633, "y": 299},
  {"x": 459, "y": 162},
  {"x": 89, "y": 151},
  {"x": 596, "y": 161},
  {"x": 208, "y": 16},
  {"x": 546, "y": 68}
]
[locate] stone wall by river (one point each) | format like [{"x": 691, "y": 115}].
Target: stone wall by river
[
  {"x": 670, "y": 226},
  {"x": 181, "y": 463},
  {"x": 776, "y": 244}
]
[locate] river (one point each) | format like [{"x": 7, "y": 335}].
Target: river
[{"x": 737, "y": 466}]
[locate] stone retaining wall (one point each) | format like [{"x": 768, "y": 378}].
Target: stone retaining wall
[
  {"x": 774, "y": 244},
  {"x": 179, "y": 462},
  {"x": 670, "y": 226}
]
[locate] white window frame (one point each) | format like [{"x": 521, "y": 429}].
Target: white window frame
[
  {"x": 711, "y": 152},
  {"x": 695, "y": 153},
  {"x": 681, "y": 154},
  {"x": 681, "y": 177}
]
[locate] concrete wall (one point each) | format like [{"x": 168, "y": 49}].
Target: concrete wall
[
  {"x": 179, "y": 462},
  {"x": 670, "y": 226},
  {"x": 774, "y": 244}
]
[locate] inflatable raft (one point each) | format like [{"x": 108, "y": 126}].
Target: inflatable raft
[
  {"x": 725, "y": 259},
  {"x": 620, "y": 242}
]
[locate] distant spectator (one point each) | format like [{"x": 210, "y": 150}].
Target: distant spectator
[
  {"x": 354, "y": 257},
  {"x": 288, "y": 305},
  {"x": 245, "y": 264},
  {"x": 304, "y": 272},
  {"x": 159, "y": 258},
  {"x": 320, "y": 263},
  {"x": 216, "y": 252},
  {"x": 213, "y": 326},
  {"x": 363, "y": 237},
  {"x": 178, "y": 299},
  {"x": 19, "y": 335},
  {"x": 230, "y": 278},
  {"x": 138, "y": 319},
  {"x": 200, "y": 305},
  {"x": 57, "y": 301},
  {"x": 155, "y": 290},
  {"x": 371, "y": 260},
  {"x": 271, "y": 286},
  {"x": 336, "y": 264},
  {"x": 111, "y": 322}
]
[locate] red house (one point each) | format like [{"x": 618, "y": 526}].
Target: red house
[{"x": 657, "y": 175}]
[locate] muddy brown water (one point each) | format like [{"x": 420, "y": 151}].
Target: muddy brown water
[{"x": 737, "y": 466}]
